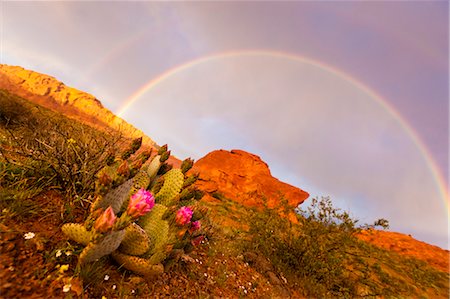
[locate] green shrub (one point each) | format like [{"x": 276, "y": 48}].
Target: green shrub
[{"x": 323, "y": 255}]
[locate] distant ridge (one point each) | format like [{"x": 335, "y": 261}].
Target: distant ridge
[{"x": 53, "y": 94}]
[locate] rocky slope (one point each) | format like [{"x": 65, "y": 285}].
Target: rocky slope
[
  {"x": 407, "y": 245},
  {"x": 51, "y": 93}
]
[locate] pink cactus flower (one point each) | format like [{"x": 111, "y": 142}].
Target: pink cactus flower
[
  {"x": 195, "y": 226},
  {"x": 183, "y": 216},
  {"x": 140, "y": 203},
  {"x": 106, "y": 221}
]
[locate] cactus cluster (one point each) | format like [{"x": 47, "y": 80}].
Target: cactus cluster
[{"x": 144, "y": 215}]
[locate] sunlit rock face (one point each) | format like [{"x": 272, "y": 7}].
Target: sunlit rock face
[
  {"x": 245, "y": 178},
  {"x": 407, "y": 245},
  {"x": 51, "y": 93}
]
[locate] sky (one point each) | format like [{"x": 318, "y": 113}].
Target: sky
[{"x": 342, "y": 99}]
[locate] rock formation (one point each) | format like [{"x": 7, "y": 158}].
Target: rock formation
[
  {"x": 245, "y": 178},
  {"x": 407, "y": 245}
]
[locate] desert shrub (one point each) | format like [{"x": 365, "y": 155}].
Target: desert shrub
[
  {"x": 322, "y": 255},
  {"x": 312, "y": 250}
]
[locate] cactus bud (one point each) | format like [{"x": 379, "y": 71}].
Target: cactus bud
[
  {"x": 110, "y": 159},
  {"x": 197, "y": 215},
  {"x": 140, "y": 203},
  {"x": 183, "y": 216},
  {"x": 158, "y": 185},
  {"x": 195, "y": 226},
  {"x": 136, "y": 144},
  {"x": 198, "y": 194},
  {"x": 124, "y": 169},
  {"x": 164, "y": 168},
  {"x": 162, "y": 149},
  {"x": 190, "y": 180},
  {"x": 104, "y": 179},
  {"x": 187, "y": 194},
  {"x": 186, "y": 165},
  {"x": 164, "y": 156},
  {"x": 106, "y": 221},
  {"x": 126, "y": 154},
  {"x": 136, "y": 164},
  {"x": 145, "y": 155}
]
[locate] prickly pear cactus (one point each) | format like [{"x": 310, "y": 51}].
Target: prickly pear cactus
[
  {"x": 173, "y": 182},
  {"x": 138, "y": 230},
  {"x": 95, "y": 250},
  {"x": 77, "y": 232},
  {"x": 138, "y": 265},
  {"x": 136, "y": 241}
]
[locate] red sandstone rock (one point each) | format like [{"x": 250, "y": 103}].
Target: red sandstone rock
[
  {"x": 245, "y": 178},
  {"x": 407, "y": 245}
]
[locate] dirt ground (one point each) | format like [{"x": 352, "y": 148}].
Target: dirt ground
[{"x": 43, "y": 266}]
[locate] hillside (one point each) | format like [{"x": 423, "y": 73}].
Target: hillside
[
  {"x": 53, "y": 94},
  {"x": 255, "y": 246}
]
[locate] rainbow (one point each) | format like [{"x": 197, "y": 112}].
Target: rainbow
[{"x": 440, "y": 181}]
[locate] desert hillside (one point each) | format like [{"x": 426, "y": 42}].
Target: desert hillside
[
  {"x": 53, "y": 94},
  {"x": 223, "y": 227}
]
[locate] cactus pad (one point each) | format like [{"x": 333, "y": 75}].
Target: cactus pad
[
  {"x": 153, "y": 167},
  {"x": 77, "y": 232},
  {"x": 141, "y": 180},
  {"x": 135, "y": 241},
  {"x": 116, "y": 197},
  {"x": 156, "y": 213},
  {"x": 138, "y": 265},
  {"x": 108, "y": 244},
  {"x": 158, "y": 231},
  {"x": 173, "y": 182}
]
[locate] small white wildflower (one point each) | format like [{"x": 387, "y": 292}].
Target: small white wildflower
[
  {"x": 205, "y": 274},
  {"x": 133, "y": 291},
  {"x": 67, "y": 287},
  {"x": 200, "y": 262},
  {"x": 106, "y": 277},
  {"x": 245, "y": 291},
  {"x": 58, "y": 253},
  {"x": 196, "y": 260},
  {"x": 114, "y": 286},
  {"x": 29, "y": 236}
]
